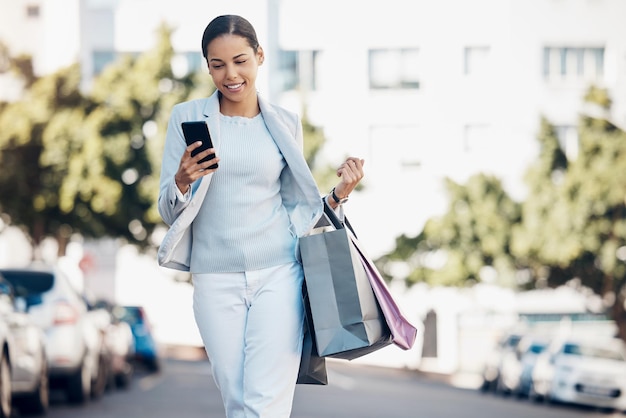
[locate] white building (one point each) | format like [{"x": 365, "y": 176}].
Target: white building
[{"x": 427, "y": 89}]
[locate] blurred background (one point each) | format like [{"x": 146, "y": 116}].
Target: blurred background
[{"x": 493, "y": 133}]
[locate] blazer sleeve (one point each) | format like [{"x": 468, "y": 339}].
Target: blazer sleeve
[{"x": 169, "y": 205}]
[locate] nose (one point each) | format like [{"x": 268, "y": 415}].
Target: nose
[{"x": 232, "y": 73}]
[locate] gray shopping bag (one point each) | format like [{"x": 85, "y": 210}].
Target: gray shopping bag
[
  {"x": 347, "y": 320},
  {"x": 312, "y": 367}
]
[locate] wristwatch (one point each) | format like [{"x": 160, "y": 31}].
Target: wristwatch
[{"x": 336, "y": 199}]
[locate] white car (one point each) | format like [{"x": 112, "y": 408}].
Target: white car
[
  {"x": 23, "y": 367},
  {"x": 529, "y": 350},
  {"x": 73, "y": 343},
  {"x": 590, "y": 372},
  {"x": 118, "y": 340},
  {"x": 500, "y": 356}
]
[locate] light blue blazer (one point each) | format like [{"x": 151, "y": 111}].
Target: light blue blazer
[{"x": 299, "y": 191}]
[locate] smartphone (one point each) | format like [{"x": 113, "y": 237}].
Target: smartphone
[{"x": 198, "y": 131}]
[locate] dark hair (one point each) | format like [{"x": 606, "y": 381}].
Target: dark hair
[{"x": 229, "y": 25}]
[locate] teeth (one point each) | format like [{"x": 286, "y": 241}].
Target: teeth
[{"x": 235, "y": 86}]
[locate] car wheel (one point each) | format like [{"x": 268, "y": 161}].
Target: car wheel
[
  {"x": 79, "y": 385},
  {"x": 533, "y": 395},
  {"x": 123, "y": 379},
  {"x": 153, "y": 365},
  {"x": 98, "y": 386},
  {"x": 486, "y": 386},
  {"x": 37, "y": 403},
  {"x": 5, "y": 387}
]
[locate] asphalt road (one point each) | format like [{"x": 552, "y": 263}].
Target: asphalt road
[{"x": 185, "y": 389}]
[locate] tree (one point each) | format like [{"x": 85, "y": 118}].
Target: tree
[
  {"x": 531, "y": 237},
  {"x": 583, "y": 212},
  {"x": 38, "y": 135},
  {"x": 572, "y": 224},
  {"x": 455, "y": 248},
  {"x": 89, "y": 163},
  {"x": 314, "y": 141},
  {"x": 134, "y": 98}
]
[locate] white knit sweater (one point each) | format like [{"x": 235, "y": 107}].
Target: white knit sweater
[{"x": 242, "y": 224}]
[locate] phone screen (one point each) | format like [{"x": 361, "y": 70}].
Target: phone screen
[{"x": 198, "y": 131}]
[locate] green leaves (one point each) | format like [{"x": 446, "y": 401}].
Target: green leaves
[
  {"x": 89, "y": 162},
  {"x": 572, "y": 224}
]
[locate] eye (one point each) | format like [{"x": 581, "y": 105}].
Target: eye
[
  {"x": 217, "y": 66},
  {"x": 241, "y": 62}
]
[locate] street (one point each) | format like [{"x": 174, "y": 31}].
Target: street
[{"x": 185, "y": 389}]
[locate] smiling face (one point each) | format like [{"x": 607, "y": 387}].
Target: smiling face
[{"x": 233, "y": 64}]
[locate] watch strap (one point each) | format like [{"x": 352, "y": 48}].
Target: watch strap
[{"x": 336, "y": 198}]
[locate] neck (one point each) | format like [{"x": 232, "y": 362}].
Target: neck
[{"x": 248, "y": 108}]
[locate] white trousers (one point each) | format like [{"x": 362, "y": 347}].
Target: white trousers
[{"x": 251, "y": 324}]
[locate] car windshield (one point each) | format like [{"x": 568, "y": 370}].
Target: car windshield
[
  {"x": 130, "y": 314},
  {"x": 512, "y": 341},
  {"x": 595, "y": 352},
  {"x": 28, "y": 283}
]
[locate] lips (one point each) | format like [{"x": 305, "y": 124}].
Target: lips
[{"x": 234, "y": 86}]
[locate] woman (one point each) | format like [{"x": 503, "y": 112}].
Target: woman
[{"x": 236, "y": 227}]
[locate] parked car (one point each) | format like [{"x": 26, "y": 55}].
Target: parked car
[
  {"x": 120, "y": 343},
  {"x": 590, "y": 372},
  {"x": 101, "y": 320},
  {"x": 73, "y": 343},
  {"x": 528, "y": 351},
  {"x": 516, "y": 365},
  {"x": 24, "y": 352},
  {"x": 5, "y": 365},
  {"x": 503, "y": 350},
  {"x": 146, "y": 350}
]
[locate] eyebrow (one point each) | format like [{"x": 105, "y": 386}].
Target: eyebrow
[{"x": 234, "y": 58}]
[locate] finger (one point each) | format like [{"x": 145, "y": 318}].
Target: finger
[
  {"x": 352, "y": 163},
  {"x": 193, "y": 146},
  {"x": 356, "y": 163},
  {"x": 208, "y": 163},
  {"x": 202, "y": 155},
  {"x": 351, "y": 171}
]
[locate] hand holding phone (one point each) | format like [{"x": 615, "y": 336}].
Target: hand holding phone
[{"x": 199, "y": 131}]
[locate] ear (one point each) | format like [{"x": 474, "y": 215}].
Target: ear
[
  {"x": 208, "y": 66},
  {"x": 260, "y": 54}
]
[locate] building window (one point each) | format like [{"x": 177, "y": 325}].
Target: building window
[
  {"x": 571, "y": 63},
  {"x": 476, "y": 138},
  {"x": 32, "y": 11},
  {"x": 287, "y": 70},
  {"x": 101, "y": 59},
  {"x": 297, "y": 70},
  {"x": 394, "y": 68},
  {"x": 476, "y": 61}
]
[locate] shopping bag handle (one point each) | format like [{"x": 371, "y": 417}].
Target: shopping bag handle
[{"x": 334, "y": 219}]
